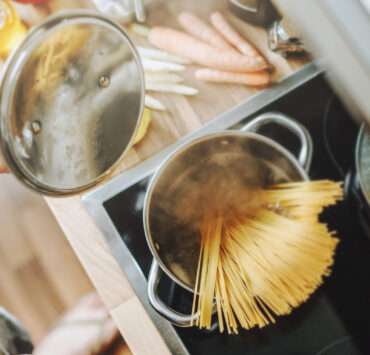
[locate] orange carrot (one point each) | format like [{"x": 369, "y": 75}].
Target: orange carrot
[
  {"x": 257, "y": 78},
  {"x": 225, "y": 28},
  {"x": 199, "y": 29},
  {"x": 181, "y": 44}
]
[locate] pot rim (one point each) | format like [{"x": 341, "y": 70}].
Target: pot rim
[{"x": 158, "y": 173}]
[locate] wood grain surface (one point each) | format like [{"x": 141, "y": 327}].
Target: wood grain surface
[
  {"x": 40, "y": 275},
  {"x": 184, "y": 114},
  {"x": 108, "y": 278}
]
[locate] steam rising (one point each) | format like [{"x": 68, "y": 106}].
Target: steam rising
[{"x": 218, "y": 174}]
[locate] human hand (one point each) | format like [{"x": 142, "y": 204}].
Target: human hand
[
  {"x": 3, "y": 168},
  {"x": 85, "y": 329}
]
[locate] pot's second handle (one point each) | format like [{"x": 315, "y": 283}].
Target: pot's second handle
[
  {"x": 164, "y": 310},
  {"x": 305, "y": 154}
]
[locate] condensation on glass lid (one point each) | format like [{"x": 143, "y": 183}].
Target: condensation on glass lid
[{"x": 76, "y": 105}]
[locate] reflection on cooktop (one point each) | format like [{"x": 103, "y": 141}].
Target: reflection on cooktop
[{"x": 344, "y": 346}]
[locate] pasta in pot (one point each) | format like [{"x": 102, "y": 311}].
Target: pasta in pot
[{"x": 267, "y": 262}]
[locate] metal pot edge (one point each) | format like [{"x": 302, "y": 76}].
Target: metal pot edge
[{"x": 173, "y": 156}]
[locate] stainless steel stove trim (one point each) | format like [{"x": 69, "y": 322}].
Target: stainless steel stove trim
[
  {"x": 133, "y": 272},
  {"x": 94, "y": 199}
]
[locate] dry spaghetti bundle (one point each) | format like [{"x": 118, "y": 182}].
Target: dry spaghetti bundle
[{"x": 265, "y": 263}]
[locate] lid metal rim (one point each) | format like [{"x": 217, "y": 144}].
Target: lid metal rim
[
  {"x": 10, "y": 74},
  {"x": 359, "y": 142}
]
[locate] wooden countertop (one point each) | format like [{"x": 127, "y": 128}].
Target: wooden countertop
[{"x": 185, "y": 114}]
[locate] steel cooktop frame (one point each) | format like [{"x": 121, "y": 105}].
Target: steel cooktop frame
[{"x": 95, "y": 199}]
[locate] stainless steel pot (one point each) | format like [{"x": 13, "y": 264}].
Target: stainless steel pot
[{"x": 239, "y": 159}]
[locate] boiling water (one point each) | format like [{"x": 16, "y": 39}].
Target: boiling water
[{"x": 226, "y": 182}]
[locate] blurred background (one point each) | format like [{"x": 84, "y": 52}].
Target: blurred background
[{"x": 40, "y": 275}]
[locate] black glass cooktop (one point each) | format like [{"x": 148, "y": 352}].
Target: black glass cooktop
[{"x": 336, "y": 318}]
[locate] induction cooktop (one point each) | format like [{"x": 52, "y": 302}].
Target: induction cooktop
[{"x": 336, "y": 318}]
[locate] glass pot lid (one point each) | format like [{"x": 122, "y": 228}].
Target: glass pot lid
[{"x": 71, "y": 98}]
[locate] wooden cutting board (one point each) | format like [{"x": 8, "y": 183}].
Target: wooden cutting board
[{"x": 187, "y": 113}]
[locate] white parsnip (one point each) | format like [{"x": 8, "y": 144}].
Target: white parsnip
[
  {"x": 139, "y": 29},
  {"x": 158, "y": 54},
  {"x": 172, "y": 88},
  {"x": 153, "y": 103},
  {"x": 157, "y": 65},
  {"x": 162, "y": 77}
]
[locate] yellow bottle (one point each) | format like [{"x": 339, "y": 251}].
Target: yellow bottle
[{"x": 11, "y": 28}]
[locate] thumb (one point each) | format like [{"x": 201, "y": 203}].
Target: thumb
[{"x": 3, "y": 168}]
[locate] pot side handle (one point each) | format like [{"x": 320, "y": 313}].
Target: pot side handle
[
  {"x": 305, "y": 154},
  {"x": 163, "y": 309}
]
